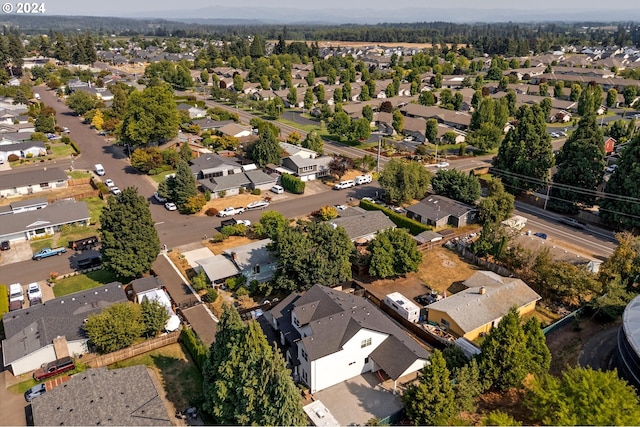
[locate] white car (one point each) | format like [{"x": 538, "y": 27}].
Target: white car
[
  {"x": 341, "y": 207},
  {"x": 245, "y": 222},
  {"x": 611, "y": 169},
  {"x": 110, "y": 183},
  {"x": 258, "y": 204},
  {"x": 115, "y": 191},
  {"x": 344, "y": 184},
  {"x": 170, "y": 206},
  {"x": 277, "y": 189},
  {"x": 34, "y": 292},
  {"x": 159, "y": 198},
  {"x": 442, "y": 165}
]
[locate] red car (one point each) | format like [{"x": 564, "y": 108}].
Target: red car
[{"x": 54, "y": 368}]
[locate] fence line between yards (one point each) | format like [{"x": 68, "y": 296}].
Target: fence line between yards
[{"x": 135, "y": 350}]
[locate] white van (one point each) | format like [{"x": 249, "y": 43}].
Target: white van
[
  {"x": 16, "y": 293},
  {"x": 344, "y": 184},
  {"x": 99, "y": 169},
  {"x": 363, "y": 179}
]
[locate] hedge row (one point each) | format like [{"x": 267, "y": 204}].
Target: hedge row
[
  {"x": 4, "y": 300},
  {"x": 399, "y": 220},
  {"x": 75, "y": 147},
  {"x": 195, "y": 347},
  {"x": 292, "y": 183}
]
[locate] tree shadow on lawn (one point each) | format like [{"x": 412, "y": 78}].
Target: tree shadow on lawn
[{"x": 181, "y": 379}]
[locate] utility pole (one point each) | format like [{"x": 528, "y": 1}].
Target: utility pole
[
  {"x": 546, "y": 200},
  {"x": 378, "y": 163}
]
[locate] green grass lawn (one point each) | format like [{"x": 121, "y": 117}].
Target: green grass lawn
[
  {"x": 95, "y": 205},
  {"x": 179, "y": 374},
  {"x": 83, "y": 282},
  {"x": 161, "y": 176},
  {"x": 21, "y": 387},
  {"x": 305, "y": 127},
  {"x": 40, "y": 244},
  {"x": 79, "y": 174},
  {"x": 61, "y": 150}
]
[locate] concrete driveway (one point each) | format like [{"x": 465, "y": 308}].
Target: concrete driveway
[
  {"x": 20, "y": 251},
  {"x": 13, "y": 407}
]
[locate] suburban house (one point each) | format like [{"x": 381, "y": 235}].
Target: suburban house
[
  {"x": 229, "y": 185},
  {"x": 32, "y": 181},
  {"x": 23, "y": 150},
  {"x": 46, "y": 332},
  {"x": 210, "y": 124},
  {"x": 474, "y": 311},
  {"x": 455, "y": 119},
  {"x": 27, "y": 205},
  {"x": 362, "y": 225},
  {"x": 331, "y": 336},
  {"x": 194, "y": 112},
  {"x": 235, "y": 130},
  {"x": 253, "y": 260},
  {"x": 213, "y": 165},
  {"x": 440, "y": 211},
  {"x": 609, "y": 144},
  {"x": 303, "y": 163},
  {"x": 44, "y": 221},
  {"x": 102, "y": 396},
  {"x": 416, "y": 128}
]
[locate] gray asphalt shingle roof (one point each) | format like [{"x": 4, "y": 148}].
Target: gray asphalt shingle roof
[
  {"x": 365, "y": 224},
  {"x": 118, "y": 397},
  {"x": 32, "y": 328},
  {"x": 31, "y": 177},
  {"x": 64, "y": 212},
  {"x": 436, "y": 207}
]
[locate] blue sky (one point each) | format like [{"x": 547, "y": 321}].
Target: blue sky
[{"x": 150, "y": 7}]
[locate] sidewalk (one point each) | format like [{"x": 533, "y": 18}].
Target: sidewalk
[{"x": 12, "y": 406}]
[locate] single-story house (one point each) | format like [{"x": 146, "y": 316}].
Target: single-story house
[
  {"x": 22, "y": 149},
  {"x": 32, "y": 181},
  {"x": 209, "y": 124},
  {"x": 46, "y": 332},
  {"x": 331, "y": 336},
  {"x": 213, "y": 165},
  {"x": 194, "y": 112},
  {"x": 474, "y": 311},
  {"x": 44, "y": 221},
  {"x": 19, "y": 206},
  {"x": 415, "y": 127},
  {"x": 231, "y": 184},
  {"x": 218, "y": 268},
  {"x": 235, "y": 130},
  {"x": 439, "y": 211},
  {"x": 253, "y": 260},
  {"x": 102, "y": 396},
  {"x": 364, "y": 226}
]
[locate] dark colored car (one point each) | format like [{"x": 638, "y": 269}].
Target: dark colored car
[
  {"x": 54, "y": 368},
  {"x": 91, "y": 262},
  {"x": 35, "y": 391},
  {"x": 540, "y": 235},
  {"x": 5, "y": 245}
]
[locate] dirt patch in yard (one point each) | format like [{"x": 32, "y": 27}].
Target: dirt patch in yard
[
  {"x": 235, "y": 201},
  {"x": 442, "y": 270}
]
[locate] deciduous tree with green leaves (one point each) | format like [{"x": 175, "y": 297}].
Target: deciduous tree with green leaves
[
  {"x": 314, "y": 142},
  {"x": 154, "y": 316},
  {"x": 266, "y": 150},
  {"x": 394, "y": 252},
  {"x": 498, "y": 205},
  {"x": 129, "y": 238},
  {"x": 404, "y": 181},
  {"x": 81, "y": 102},
  {"x": 115, "y": 327},
  {"x": 456, "y": 185},
  {"x": 151, "y": 116}
]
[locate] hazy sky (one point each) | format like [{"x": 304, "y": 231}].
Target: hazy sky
[{"x": 148, "y": 7}]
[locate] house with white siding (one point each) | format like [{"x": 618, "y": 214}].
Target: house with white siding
[
  {"x": 331, "y": 336},
  {"x": 32, "y": 181}
]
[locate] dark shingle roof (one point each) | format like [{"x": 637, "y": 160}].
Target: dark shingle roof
[
  {"x": 32, "y": 328},
  {"x": 362, "y": 225},
  {"x": 31, "y": 177},
  {"x": 118, "y": 397},
  {"x": 202, "y": 323},
  {"x": 60, "y": 213},
  {"x": 435, "y": 207}
]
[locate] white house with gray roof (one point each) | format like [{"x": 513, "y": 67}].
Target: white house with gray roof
[
  {"x": 331, "y": 336},
  {"x": 31, "y": 332},
  {"x": 32, "y": 181},
  {"x": 43, "y": 221}
]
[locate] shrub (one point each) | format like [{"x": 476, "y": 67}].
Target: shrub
[
  {"x": 327, "y": 213},
  {"x": 242, "y": 190},
  {"x": 29, "y": 155},
  {"x": 211, "y": 211},
  {"x": 222, "y": 193},
  {"x": 242, "y": 291},
  {"x": 293, "y": 184},
  {"x": 152, "y": 172},
  {"x": 75, "y": 147},
  {"x": 13, "y": 158},
  {"x": 200, "y": 281},
  {"x": 207, "y": 196},
  {"x": 4, "y": 300},
  {"x": 65, "y": 139},
  {"x": 228, "y": 230},
  {"x": 210, "y": 296},
  {"x": 194, "y": 346},
  {"x": 235, "y": 282},
  {"x": 256, "y": 191},
  {"x": 399, "y": 220},
  {"x": 218, "y": 238}
]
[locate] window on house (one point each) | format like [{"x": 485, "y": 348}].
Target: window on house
[
  {"x": 366, "y": 360},
  {"x": 445, "y": 322},
  {"x": 44, "y": 184},
  {"x": 256, "y": 269},
  {"x": 365, "y": 342},
  {"x": 295, "y": 321},
  {"x": 304, "y": 354}
]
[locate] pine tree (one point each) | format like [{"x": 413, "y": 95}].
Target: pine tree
[
  {"x": 537, "y": 347},
  {"x": 130, "y": 241},
  {"x": 266, "y": 150},
  {"x": 526, "y": 155},
  {"x": 182, "y": 186},
  {"x": 580, "y": 164},
  {"x": 431, "y": 401}
]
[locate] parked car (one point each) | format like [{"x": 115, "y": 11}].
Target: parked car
[
  {"x": 99, "y": 169},
  {"x": 5, "y": 245},
  {"x": 66, "y": 130},
  {"x": 109, "y": 183},
  {"x": 54, "y": 368},
  {"x": 170, "y": 206},
  {"x": 35, "y": 391},
  {"x": 555, "y": 135},
  {"x": 341, "y": 207},
  {"x": 16, "y": 293},
  {"x": 244, "y": 222},
  {"x": 34, "y": 292},
  {"x": 230, "y": 211},
  {"x": 344, "y": 184},
  {"x": 159, "y": 198},
  {"x": 611, "y": 169},
  {"x": 442, "y": 165},
  {"x": 572, "y": 222},
  {"x": 258, "y": 204},
  {"x": 540, "y": 235},
  {"x": 115, "y": 191},
  {"x": 277, "y": 189}
]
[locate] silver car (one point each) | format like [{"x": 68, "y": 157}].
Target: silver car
[{"x": 35, "y": 391}]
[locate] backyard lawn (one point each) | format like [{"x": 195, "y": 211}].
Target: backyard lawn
[
  {"x": 83, "y": 282},
  {"x": 180, "y": 376}
]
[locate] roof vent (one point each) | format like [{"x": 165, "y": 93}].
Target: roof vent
[{"x": 483, "y": 290}]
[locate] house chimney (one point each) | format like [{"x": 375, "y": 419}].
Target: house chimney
[
  {"x": 483, "y": 290},
  {"x": 234, "y": 255}
]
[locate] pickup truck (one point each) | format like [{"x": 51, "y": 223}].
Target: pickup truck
[
  {"x": 230, "y": 211},
  {"x": 47, "y": 252}
]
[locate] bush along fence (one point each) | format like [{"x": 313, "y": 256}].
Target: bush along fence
[
  {"x": 293, "y": 184},
  {"x": 136, "y": 350},
  {"x": 399, "y": 220},
  {"x": 195, "y": 347}
]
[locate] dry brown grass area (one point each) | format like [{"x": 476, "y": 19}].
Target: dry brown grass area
[
  {"x": 224, "y": 202},
  {"x": 441, "y": 268},
  {"x": 231, "y": 242},
  {"x": 57, "y": 194}
]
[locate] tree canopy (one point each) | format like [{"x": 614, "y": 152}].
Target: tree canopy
[
  {"x": 456, "y": 185},
  {"x": 115, "y": 327},
  {"x": 181, "y": 188},
  {"x": 246, "y": 381},
  {"x": 498, "y": 205},
  {"x": 404, "y": 181},
  {"x": 394, "y": 252},
  {"x": 129, "y": 238},
  {"x": 266, "y": 150}
]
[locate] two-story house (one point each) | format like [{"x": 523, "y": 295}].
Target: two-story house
[{"x": 331, "y": 336}]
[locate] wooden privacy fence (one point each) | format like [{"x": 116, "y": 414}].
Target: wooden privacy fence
[{"x": 136, "y": 350}]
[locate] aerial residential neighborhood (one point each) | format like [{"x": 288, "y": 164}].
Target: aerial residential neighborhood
[{"x": 218, "y": 224}]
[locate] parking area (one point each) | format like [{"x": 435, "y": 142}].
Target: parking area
[
  {"x": 358, "y": 400},
  {"x": 20, "y": 251}
]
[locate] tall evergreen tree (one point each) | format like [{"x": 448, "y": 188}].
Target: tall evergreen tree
[
  {"x": 130, "y": 241},
  {"x": 266, "y": 150},
  {"x": 431, "y": 131},
  {"x": 431, "y": 401},
  {"x": 526, "y": 155},
  {"x": 580, "y": 170},
  {"x": 620, "y": 206},
  {"x": 245, "y": 381},
  {"x": 537, "y": 347},
  {"x": 182, "y": 186}
]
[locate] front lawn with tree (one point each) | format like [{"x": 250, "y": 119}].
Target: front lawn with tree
[{"x": 404, "y": 180}]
